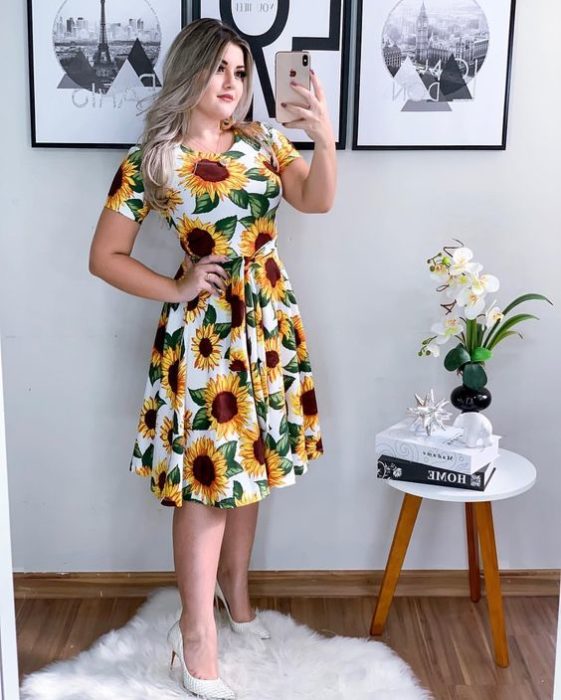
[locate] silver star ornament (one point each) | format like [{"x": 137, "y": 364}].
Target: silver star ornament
[{"x": 429, "y": 414}]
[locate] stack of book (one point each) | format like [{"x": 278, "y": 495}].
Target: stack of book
[{"x": 440, "y": 458}]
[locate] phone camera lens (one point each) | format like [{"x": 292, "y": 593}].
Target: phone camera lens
[{"x": 305, "y": 60}]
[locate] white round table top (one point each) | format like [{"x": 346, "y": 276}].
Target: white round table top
[{"x": 514, "y": 474}]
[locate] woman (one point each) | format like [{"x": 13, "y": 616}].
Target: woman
[{"x": 229, "y": 410}]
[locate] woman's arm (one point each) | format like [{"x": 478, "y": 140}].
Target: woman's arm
[
  {"x": 312, "y": 188},
  {"x": 110, "y": 260}
]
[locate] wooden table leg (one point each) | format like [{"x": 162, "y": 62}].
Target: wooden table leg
[
  {"x": 484, "y": 517},
  {"x": 473, "y": 554},
  {"x": 402, "y": 536}
]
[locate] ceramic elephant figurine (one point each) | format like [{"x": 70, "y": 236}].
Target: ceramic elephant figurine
[{"x": 477, "y": 429}]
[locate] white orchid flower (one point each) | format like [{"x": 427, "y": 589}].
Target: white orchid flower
[
  {"x": 493, "y": 315},
  {"x": 473, "y": 303},
  {"x": 484, "y": 284},
  {"x": 457, "y": 284},
  {"x": 446, "y": 329},
  {"x": 461, "y": 262}
]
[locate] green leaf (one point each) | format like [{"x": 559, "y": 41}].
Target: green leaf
[
  {"x": 264, "y": 489},
  {"x": 177, "y": 446},
  {"x": 258, "y": 204},
  {"x": 210, "y": 316},
  {"x": 228, "y": 449},
  {"x": 272, "y": 189},
  {"x": 506, "y": 335},
  {"x": 227, "y": 226},
  {"x": 283, "y": 445},
  {"x": 223, "y": 329},
  {"x": 174, "y": 476},
  {"x": 155, "y": 372},
  {"x": 474, "y": 376},
  {"x": 255, "y": 174},
  {"x": 205, "y": 203},
  {"x": 198, "y": 396},
  {"x": 270, "y": 442},
  {"x": 201, "y": 421},
  {"x": 261, "y": 409},
  {"x": 287, "y": 379},
  {"x": 481, "y": 354},
  {"x": 457, "y": 357},
  {"x": 294, "y": 430},
  {"x": 137, "y": 452},
  {"x": 276, "y": 400},
  {"x": 238, "y": 490},
  {"x": 523, "y": 298},
  {"x": 506, "y": 326},
  {"x": 233, "y": 468},
  {"x": 239, "y": 197},
  {"x": 148, "y": 456},
  {"x": 292, "y": 366}
]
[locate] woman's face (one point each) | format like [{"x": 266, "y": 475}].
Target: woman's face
[{"x": 227, "y": 81}]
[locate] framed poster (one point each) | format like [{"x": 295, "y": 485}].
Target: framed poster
[
  {"x": 90, "y": 61},
  {"x": 433, "y": 74},
  {"x": 320, "y": 27}
]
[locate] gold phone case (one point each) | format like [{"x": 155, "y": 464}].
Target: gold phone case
[{"x": 289, "y": 65}]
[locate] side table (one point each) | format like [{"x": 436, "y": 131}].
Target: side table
[{"x": 514, "y": 475}]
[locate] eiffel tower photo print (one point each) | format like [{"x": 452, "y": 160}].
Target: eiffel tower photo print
[
  {"x": 91, "y": 63},
  {"x": 433, "y": 73}
]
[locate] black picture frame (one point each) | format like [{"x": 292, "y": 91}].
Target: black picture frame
[
  {"x": 338, "y": 39},
  {"x": 500, "y": 145},
  {"x": 36, "y": 141}
]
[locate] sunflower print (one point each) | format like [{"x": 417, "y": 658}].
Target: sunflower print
[
  {"x": 194, "y": 308},
  {"x": 227, "y": 404},
  {"x": 173, "y": 375},
  {"x": 206, "y": 347},
  {"x": 205, "y": 470},
  {"x": 200, "y": 239},
  {"x": 205, "y": 175},
  {"x": 121, "y": 187},
  {"x": 259, "y": 232},
  {"x": 230, "y": 408}
]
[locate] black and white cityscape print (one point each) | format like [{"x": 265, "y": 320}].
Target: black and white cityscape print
[
  {"x": 433, "y": 50},
  {"x": 107, "y": 46}
]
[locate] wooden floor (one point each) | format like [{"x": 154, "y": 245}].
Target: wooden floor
[{"x": 445, "y": 640}]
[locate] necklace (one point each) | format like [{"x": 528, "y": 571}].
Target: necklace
[{"x": 221, "y": 160}]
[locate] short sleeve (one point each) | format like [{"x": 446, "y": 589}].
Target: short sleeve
[
  {"x": 126, "y": 194},
  {"x": 284, "y": 150}
]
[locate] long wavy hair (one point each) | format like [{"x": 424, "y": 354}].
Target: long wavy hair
[{"x": 192, "y": 59}]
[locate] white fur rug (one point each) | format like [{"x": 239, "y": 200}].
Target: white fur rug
[{"x": 297, "y": 663}]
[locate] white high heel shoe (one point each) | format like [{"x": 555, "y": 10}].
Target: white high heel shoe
[
  {"x": 214, "y": 688},
  {"x": 254, "y": 626}
]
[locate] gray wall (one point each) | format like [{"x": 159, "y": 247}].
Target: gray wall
[{"x": 76, "y": 350}]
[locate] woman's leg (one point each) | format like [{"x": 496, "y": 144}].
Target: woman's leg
[
  {"x": 235, "y": 555},
  {"x": 198, "y": 530}
]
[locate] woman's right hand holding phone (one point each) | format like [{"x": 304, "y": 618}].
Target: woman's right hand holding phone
[{"x": 206, "y": 275}]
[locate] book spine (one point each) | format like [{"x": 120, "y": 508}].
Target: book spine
[
  {"x": 435, "y": 457},
  {"x": 399, "y": 470}
]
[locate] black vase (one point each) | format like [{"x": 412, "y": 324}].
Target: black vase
[{"x": 470, "y": 400}]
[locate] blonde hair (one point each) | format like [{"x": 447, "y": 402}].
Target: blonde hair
[{"x": 192, "y": 59}]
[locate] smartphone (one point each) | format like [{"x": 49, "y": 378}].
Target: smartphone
[{"x": 290, "y": 65}]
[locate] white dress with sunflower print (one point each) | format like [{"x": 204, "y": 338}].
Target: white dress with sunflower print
[{"x": 229, "y": 409}]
